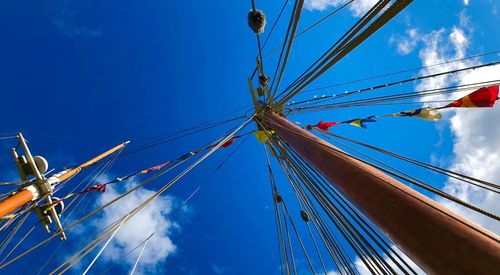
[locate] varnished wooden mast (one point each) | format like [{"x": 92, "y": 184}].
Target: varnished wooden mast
[{"x": 439, "y": 241}]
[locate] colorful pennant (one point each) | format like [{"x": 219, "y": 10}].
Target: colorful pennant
[{"x": 483, "y": 97}]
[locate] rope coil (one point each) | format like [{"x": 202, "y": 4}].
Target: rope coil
[{"x": 256, "y": 21}]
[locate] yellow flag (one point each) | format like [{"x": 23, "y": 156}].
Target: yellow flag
[
  {"x": 263, "y": 135},
  {"x": 360, "y": 122},
  {"x": 356, "y": 123}
]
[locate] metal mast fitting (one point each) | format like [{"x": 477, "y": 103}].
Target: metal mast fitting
[
  {"x": 40, "y": 187},
  {"x": 438, "y": 240}
]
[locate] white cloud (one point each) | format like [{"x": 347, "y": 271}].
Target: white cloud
[
  {"x": 218, "y": 269},
  {"x": 407, "y": 43},
  {"x": 358, "y": 7},
  {"x": 153, "y": 218},
  {"x": 476, "y": 153},
  {"x": 322, "y": 5},
  {"x": 459, "y": 41},
  {"x": 475, "y": 131},
  {"x": 363, "y": 270},
  {"x": 439, "y": 47}
]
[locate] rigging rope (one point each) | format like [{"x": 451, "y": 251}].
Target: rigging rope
[
  {"x": 279, "y": 229},
  {"x": 456, "y": 175},
  {"x": 315, "y": 24},
  {"x": 128, "y": 253},
  {"x": 410, "y": 179},
  {"x": 348, "y": 44},
  {"x": 274, "y": 25},
  {"x": 105, "y": 245},
  {"x": 380, "y": 100},
  {"x": 340, "y": 224},
  {"x": 371, "y": 236},
  {"x": 373, "y": 261},
  {"x": 216, "y": 170},
  {"x": 358, "y": 243},
  {"x": 390, "y": 84},
  {"x": 401, "y": 71},
  {"x": 158, "y": 193},
  {"x": 182, "y": 134},
  {"x": 350, "y": 210},
  {"x": 5, "y": 241},
  {"x": 140, "y": 254},
  {"x": 298, "y": 238},
  {"x": 75, "y": 258},
  {"x": 98, "y": 172},
  {"x": 477, "y": 229},
  {"x": 333, "y": 251},
  {"x": 282, "y": 61},
  {"x": 8, "y": 137},
  {"x": 346, "y": 34}
]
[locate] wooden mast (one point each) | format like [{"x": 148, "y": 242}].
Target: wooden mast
[
  {"x": 438, "y": 240},
  {"x": 42, "y": 186}
]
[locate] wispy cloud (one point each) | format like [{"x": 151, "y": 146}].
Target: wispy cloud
[
  {"x": 322, "y": 5},
  {"x": 476, "y": 154},
  {"x": 358, "y": 7},
  {"x": 405, "y": 44},
  {"x": 363, "y": 270},
  {"x": 154, "y": 218},
  {"x": 218, "y": 269},
  {"x": 476, "y": 143},
  {"x": 70, "y": 30},
  {"x": 66, "y": 18}
]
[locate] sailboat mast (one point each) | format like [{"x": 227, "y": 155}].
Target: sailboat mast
[
  {"x": 41, "y": 186},
  {"x": 439, "y": 241}
]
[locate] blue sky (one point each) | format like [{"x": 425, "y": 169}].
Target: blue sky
[{"x": 77, "y": 77}]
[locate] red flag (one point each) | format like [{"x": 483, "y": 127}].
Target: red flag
[
  {"x": 154, "y": 168},
  {"x": 98, "y": 187},
  {"x": 229, "y": 142},
  {"x": 325, "y": 125},
  {"x": 484, "y": 97}
]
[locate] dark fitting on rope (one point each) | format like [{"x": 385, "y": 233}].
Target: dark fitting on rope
[
  {"x": 256, "y": 21},
  {"x": 278, "y": 197},
  {"x": 304, "y": 216},
  {"x": 264, "y": 80},
  {"x": 186, "y": 156},
  {"x": 260, "y": 91}
]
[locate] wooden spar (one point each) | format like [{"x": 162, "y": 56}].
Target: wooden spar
[
  {"x": 15, "y": 201},
  {"x": 72, "y": 172},
  {"x": 439, "y": 241},
  {"x": 31, "y": 192}
]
